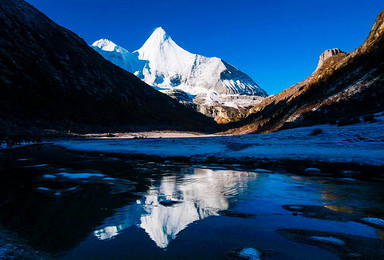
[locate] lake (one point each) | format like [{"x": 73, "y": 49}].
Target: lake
[{"x": 75, "y": 206}]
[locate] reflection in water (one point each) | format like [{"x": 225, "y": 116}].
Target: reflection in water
[
  {"x": 380, "y": 234},
  {"x": 199, "y": 195},
  {"x": 123, "y": 219},
  {"x": 344, "y": 209},
  {"x": 107, "y": 232},
  {"x": 349, "y": 197},
  {"x": 175, "y": 196}
]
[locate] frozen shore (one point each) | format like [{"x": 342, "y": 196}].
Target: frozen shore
[{"x": 357, "y": 144}]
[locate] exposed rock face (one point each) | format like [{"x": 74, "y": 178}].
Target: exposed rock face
[
  {"x": 346, "y": 85},
  {"x": 327, "y": 54},
  {"x": 222, "y": 114},
  {"x": 50, "y": 78}
]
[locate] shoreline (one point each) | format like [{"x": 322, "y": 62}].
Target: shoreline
[
  {"x": 353, "y": 151},
  {"x": 296, "y": 166},
  {"x": 14, "y": 247}
]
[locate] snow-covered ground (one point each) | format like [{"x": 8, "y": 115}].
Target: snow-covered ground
[
  {"x": 361, "y": 143},
  {"x": 149, "y": 135}
]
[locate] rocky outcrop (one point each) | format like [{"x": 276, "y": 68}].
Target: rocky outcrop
[
  {"x": 222, "y": 114},
  {"x": 50, "y": 78},
  {"x": 327, "y": 54},
  {"x": 346, "y": 85},
  {"x": 219, "y": 111}
]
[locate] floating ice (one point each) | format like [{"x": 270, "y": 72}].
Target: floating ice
[
  {"x": 109, "y": 179},
  {"x": 49, "y": 176},
  {"x": 80, "y": 175},
  {"x": 43, "y": 189},
  {"x": 296, "y": 207},
  {"x": 250, "y": 253},
  {"x": 375, "y": 221},
  {"x": 39, "y": 165},
  {"x": 312, "y": 170},
  {"x": 262, "y": 170},
  {"x": 328, "y": 240}
]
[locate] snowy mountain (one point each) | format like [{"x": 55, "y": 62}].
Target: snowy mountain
[{"x": 190, "y": 78}]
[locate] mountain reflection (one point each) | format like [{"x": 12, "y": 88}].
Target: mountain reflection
[{"x": 173, "y": 203}]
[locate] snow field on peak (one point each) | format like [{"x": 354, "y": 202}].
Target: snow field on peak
[{"x": 163, "y": 64}]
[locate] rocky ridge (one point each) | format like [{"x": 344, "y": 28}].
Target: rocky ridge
[
  {"x": 346, "y": 85},
  {"x": 326, "y": 55}
]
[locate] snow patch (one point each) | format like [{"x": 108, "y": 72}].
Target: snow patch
[{"x": 337, "y": 144}]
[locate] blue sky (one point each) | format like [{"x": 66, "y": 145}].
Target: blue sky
[{"x": 277, "y": 43}]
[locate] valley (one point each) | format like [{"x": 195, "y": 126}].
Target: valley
[{"x": 160, "y": 153}]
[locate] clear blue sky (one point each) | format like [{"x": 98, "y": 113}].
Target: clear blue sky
[{"x": 277, "y": 43}]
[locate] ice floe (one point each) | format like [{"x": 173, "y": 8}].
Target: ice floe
[
  {"x": 375, "y": 221},
  {"x": 80, "y": 175},
  {"x": 328, "y": 240},
  {"x": 250, "y": 253}
]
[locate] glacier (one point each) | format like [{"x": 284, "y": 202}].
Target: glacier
[{"x": 192, "y": 79}]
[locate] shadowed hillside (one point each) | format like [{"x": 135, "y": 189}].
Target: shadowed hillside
[{"x": 50, "y": 78}]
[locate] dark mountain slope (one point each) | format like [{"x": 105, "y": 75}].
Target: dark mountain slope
[
  {"x": 345, "y": 86},
  {"x": 50, "y": 78}
]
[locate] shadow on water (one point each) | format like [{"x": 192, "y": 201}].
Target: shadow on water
[
  {"x": 67, "y": 204},
  {"x": 53, "y": 224}
]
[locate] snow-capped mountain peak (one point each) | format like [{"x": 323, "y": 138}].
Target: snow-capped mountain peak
[
  {"x": 119, "y": 56},
  {"x": 105, "y": 45},
  {"x": 190, "y": 78},
  {"x": 161, "y": 51},
  {"x": 159, "y": 35}
]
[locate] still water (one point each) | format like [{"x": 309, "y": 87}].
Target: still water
[{"x": 176, "y": 211}]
